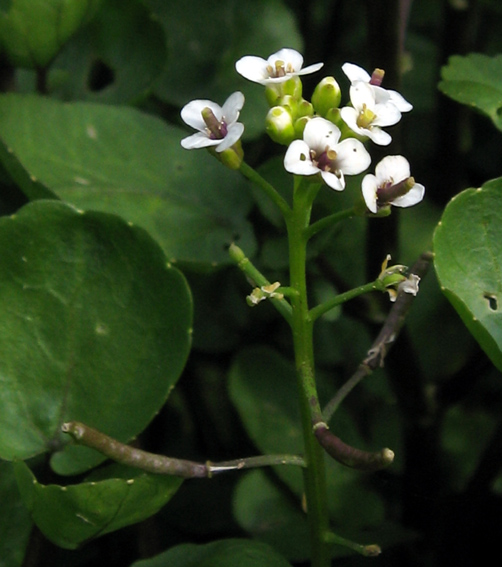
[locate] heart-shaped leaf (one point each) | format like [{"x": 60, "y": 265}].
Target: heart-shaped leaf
[
  {"x": 468, "y": 261},
  {"x": 120, "y": 160},
  {"x": 71, "y": 515},
  {"x": 33, "y": 31},
  {"x": 95, "y": 327},
  {"x": 475, "y": 80}
]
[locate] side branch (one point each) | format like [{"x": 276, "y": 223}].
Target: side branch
[
  {"x": 160, "y": 464},
  {"x": 350, "y": 456},
  {"x": 385, "y": 339}
]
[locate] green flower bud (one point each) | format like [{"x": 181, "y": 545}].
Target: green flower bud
[
  {"x": 327, "y": 95},
  {"x": 293, "y": 87},
  {"x": 279, "y": 125},
  {"x": 300, "y": 126},
  {"x": 305, "y": 108}
]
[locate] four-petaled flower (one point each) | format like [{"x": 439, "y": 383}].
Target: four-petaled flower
[
  {"x": 355, "y": 73},
  {"x": 279, "y": 67},
  {"x": 391, "y": 185},
  {"x": 217, "y": 125},
  {"x": 320, "y": 152},
  {"x": 370, "y": 111}
]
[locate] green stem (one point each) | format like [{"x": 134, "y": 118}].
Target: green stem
[
  {"x": 245, "y": 264},
  {"x": 266, "y": 187},
  {"x": 302, "y": 327},
  {"x": 323, "y": 308},
  {"x": 328, "y": 221}
]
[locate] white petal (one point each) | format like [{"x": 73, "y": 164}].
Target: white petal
[
  {"x": 191, "y": 113},
  {"x": 349, "y": 116},
  {"x": 333, "y": 181},
  {"x": 352, "y": 157},
  {"x": 233, "y": 105},
  {"x": 355, "y": 73},
  {"x": 386, "y": 115},
  {"x": 319, "y": 133},
  {"x": 287, "y": 55},
  {"x": 392, "y": 169},
  {"x": 400, "y": 102},
  {"x": 297, "y": 159},
  {"x": 377, "y": 136},
  {"x": 198, "y": 140},
  {"x": 310, "y": 69},
  {"x": 414, "y": 196},
  {"x": 369, "y": 188},
  {"x": 234, "y": 133},
  {"x": 362, "y": 94},
  {"x": 252, "y": 68}
]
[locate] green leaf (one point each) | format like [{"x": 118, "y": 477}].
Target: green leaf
[
  {"x": 15, "y": 521},
  {"x": 221, "y": 553},
  {"x": 30, "y": 186},
  {"x": 95, "y": 327},
  {"x": 468, "y": 261},
  {"x": 205, "y": 43},
  {"x": 33, "y": 31},
  {"x": 263, "y": 389},
  {"x": 269, "y": 515},
  {"x": 123, "y": 161},
  {"x": 72, "y": 515},
  {"x": 475, "y": 80},
  {"x": 114, "y": 59}
]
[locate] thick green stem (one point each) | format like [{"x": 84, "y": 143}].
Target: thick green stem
[{"x": 302, "y": 326}]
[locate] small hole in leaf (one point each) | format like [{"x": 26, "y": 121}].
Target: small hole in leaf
[
  {"x": 100, "y": 76},
  {"x": 492, "y": 300}
]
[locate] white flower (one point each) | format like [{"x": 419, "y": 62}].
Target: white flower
[
  {"x": 356, "y": 73},
  {"x": 320, "y": 152},
  {"x": 391, "y": 185},
  {"x": 279, "y": 67},
  {"x": 217, "y": 126},
  {"x": 371, "y": 109}
]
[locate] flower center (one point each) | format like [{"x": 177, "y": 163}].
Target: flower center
[
  {"x": 280, "y": 69},
  {"x": 325, "y": 161},
  {"x": 365, "y": 118},
  {"x": 216, "y": 129},
  {"x": 387, "y": 192}
]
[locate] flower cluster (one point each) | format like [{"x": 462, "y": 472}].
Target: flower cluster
[{"x": 325, "y": 142}]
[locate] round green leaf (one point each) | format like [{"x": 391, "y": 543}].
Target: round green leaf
[
  {"x": 221, "y": 553},
  {"x": 120, "y": 160},
  {"x": 72, "y": 515},
  {"x": 475, "y": 80},
  {"x": 15, "y": 521},
  {"x": 95, "y": 327},
  {"x": 33, "y": 31},
  {"x": 468, "y": 261},
  {"x": 114, "y": 59}
]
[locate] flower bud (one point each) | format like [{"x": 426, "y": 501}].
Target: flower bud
[
  {"x": 300, "y": 126},
  {"x": 326, "y": 95},
  {"x": 279, "y": 125},
  {"x": 293, "y": 87},
  {"x": 304, "y": 108}
]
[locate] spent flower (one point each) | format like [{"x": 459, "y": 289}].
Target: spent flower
[
  {"x": 391, "y": 185},
  {"x": 217, "y": 125},
  {"x": 355, "y": 73},
  {"x": 320, "y": 152}
]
